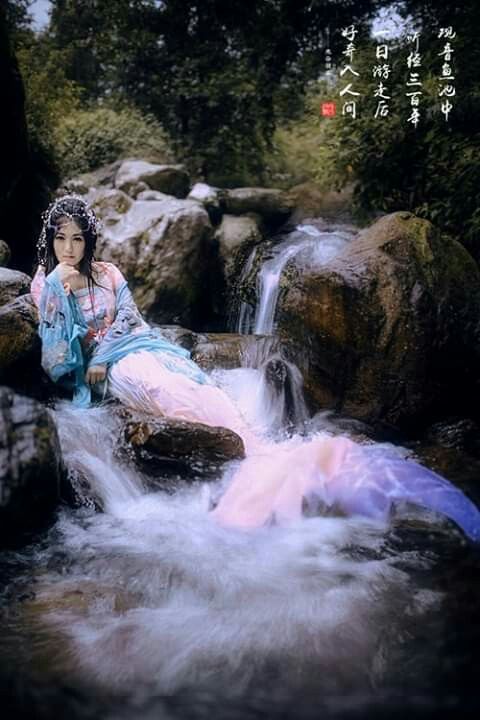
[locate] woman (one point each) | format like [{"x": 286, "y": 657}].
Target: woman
[{"x": 94, "y": 337}]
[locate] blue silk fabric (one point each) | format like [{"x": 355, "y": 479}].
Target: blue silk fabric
[{"x": 63, "y": 325}]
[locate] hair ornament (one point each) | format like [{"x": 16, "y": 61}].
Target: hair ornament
[{"x": 62, "y": 207}]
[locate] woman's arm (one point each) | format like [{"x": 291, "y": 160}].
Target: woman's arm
[
  {"x": 129, "y": 333},
  {"x": 128, "y": 318}
]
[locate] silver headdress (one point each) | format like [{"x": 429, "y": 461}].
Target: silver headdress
[{"x": 57, "y": 209}]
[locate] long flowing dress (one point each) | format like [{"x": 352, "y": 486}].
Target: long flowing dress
[{"x": 82, "y": 328}]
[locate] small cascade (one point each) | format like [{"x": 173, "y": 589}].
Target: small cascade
[
  {"x": 311, "y": 248},
  {"x": 97, "y": 476},
  {"x": 279, "y": 399},
  {"x": 282, "y": 394},
  {"x": 246, "y": 311}
]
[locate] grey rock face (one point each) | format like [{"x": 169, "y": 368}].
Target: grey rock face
[
  {"x": 31, "y": 468},
  {"x": 12, "y": 284},
  {"x": 18, "y": 331},
  {"x": 169, "y": 179}
]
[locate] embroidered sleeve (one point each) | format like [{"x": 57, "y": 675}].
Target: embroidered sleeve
[
  {"x": 128, "y": 319},
  {"x": 60, "y": 328}
]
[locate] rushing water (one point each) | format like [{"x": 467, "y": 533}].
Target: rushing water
[{"x": 152, "y": 597}]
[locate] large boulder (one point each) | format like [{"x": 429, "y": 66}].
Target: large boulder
[
  {"x": 273, "y": 206},
  {"x": 310, "y": 201},
  {"x": 18, "y": 331},
  {"x": 31, "y": 469},
  {"x": 236, "y": 235},
  {"x": 109, "y": 204},
  {"x": 102, "y": 176},
  {"x": 20, "y": 350},
  {"x": 211, "y": 198},
  {"x": 165, "y": 249},
  {"x": 165, "y": 446},
  {"x": 169, "y": 179},
  {"x": 12, "y": 284},
  {"x": 389, "y": 329}
]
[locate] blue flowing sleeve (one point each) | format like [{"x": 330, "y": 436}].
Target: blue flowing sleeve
[{"x": 60, "y": 328}]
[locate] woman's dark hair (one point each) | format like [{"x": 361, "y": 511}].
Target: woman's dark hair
[{"x": 69, "y": 207}]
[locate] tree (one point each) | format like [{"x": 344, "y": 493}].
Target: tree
[{"x": 217, "y": 74}]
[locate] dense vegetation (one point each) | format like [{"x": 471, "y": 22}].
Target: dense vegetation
[{"x": 233, "y": 89}]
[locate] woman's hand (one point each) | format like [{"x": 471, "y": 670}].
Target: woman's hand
[
  {"x": 67, "y": 273},
  {"x": 95, "y": 373}
]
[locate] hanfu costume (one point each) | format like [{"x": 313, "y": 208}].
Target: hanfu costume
[{"x": 103, "y": 326}]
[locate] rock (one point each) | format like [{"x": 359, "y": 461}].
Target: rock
[
  {"x": 169, "y": 179},
  {"x": 312, "y": 202},
  {"x": 179, "y": 335},
  {"x": 162, "y": 446},
  {"x": 273, "y": 206},
  {"x": 75, "y": 186},
  {"x": 462, "y": 434},
  {"x": 109, "y": 204},
  {"x": 284, "y": 384},
  {"x": 236, "y": 236},
  {"x": 20, "y": 351},
  {"x": 228, "y": 350},
  {"x": 389, "y": 329},
  {"x": 31, "y": 469},
  {"x": 167, "y": 252},
  {"x": 206, "y": 194},
  {"x": 139, "y": 188},
  {"x": 5, "y": 253},
  {"x": 153, "y": 195},
  {"x": 211, "y": 198},
  {"x": 104, "y": 176},
  {"x": 12, "y": 284},
  {"x": 18, "y": 331}
]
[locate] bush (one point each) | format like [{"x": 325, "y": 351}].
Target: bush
[
  {"x": 304, "y": 149},
  {"x": 48, "y": 93},
  {"x": 433, "y": 170},
  {"x": 86, "y": 139}
]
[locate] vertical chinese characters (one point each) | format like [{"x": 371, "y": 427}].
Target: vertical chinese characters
[
  {"x": 446, "y": 89},
  {"x": 414, "y": 60},
  {"x": 381, "y": 71},
  {"x": 349, "y": 106}
]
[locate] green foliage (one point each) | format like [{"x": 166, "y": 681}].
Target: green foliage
[
  {"x": 63, "y": 127},
  {"x": 432, "y": 170},
  {"x": 217, "y": 75},
  {"x": 49, "y": 95},
  {"x": 305, "y": 149},
  {"x": 86, "y": 139}
]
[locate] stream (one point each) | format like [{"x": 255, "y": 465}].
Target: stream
[{"x": 151, "y": 609}]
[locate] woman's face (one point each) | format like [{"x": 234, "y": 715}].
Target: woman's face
[{"x": 69, "y": 243}]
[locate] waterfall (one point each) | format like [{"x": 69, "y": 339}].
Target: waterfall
[
  {"x": 246, "y": 312},
  {"x": 310, "y": 247},
  {"x": 92, "y": 463},
  {"x": 315, "y": 247}
]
